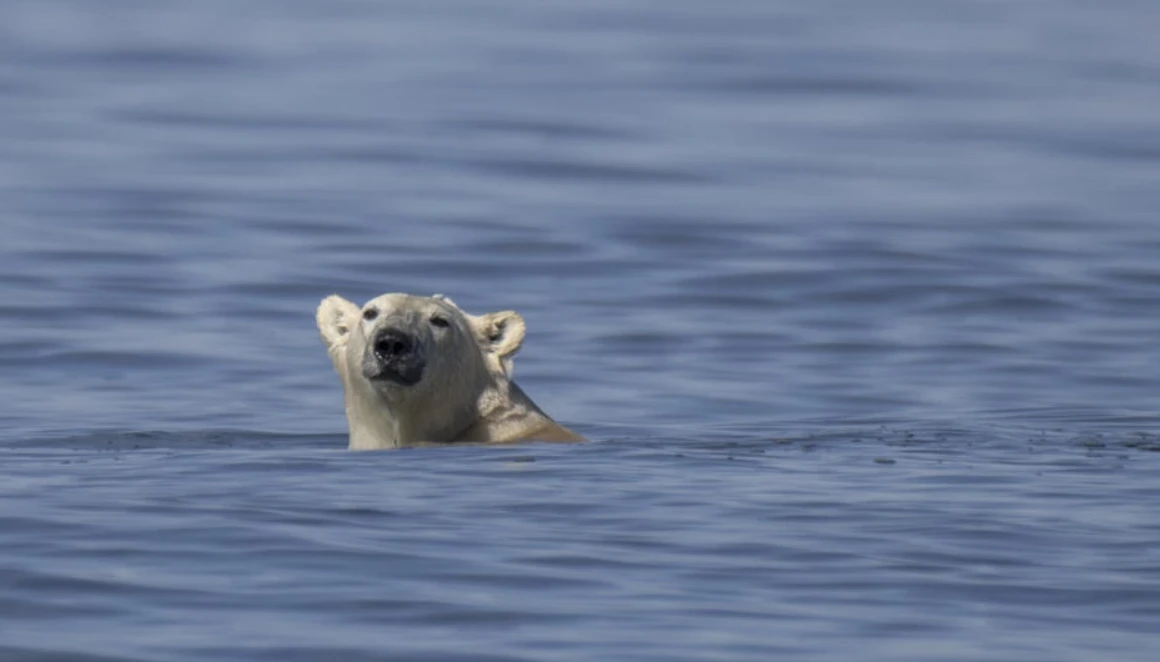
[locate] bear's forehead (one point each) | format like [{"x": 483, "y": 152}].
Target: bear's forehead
[{"x": 401, "y": 301}]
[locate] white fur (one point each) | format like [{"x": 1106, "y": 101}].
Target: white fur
[{"x": 465, "y": 394}]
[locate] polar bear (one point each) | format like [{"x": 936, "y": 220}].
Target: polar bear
[{"x": 419, "y": 369}]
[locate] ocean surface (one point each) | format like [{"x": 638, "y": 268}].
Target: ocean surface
[{"x": 858, "y": 303}]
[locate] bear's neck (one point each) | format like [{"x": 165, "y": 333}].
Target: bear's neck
[
  {"x": 502, "y": 413},
  {"x": 375, "y": 424},
  {"x": 512, "y": 416}
]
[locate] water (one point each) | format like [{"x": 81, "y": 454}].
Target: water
[{"x": 857, "y": 301}]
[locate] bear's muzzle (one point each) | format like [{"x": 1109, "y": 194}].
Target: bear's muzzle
[{"x": 394, "y": 357}]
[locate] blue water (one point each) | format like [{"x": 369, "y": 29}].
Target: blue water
[{"x": 858, "y": 302}]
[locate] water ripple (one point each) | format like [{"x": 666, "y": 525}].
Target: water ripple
[{"x": 858, "y": 306}]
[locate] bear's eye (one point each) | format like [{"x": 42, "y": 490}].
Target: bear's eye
[
  {"x": 440, "y": 321},
  {"x": 370, "y": 314}
]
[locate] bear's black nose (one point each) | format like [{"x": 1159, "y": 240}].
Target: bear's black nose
[{"x": 392, "y": 344}]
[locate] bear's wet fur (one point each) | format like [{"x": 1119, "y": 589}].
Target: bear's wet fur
[{"x": 418, "y": 370}]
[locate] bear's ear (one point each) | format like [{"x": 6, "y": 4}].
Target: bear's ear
[
  {"x": 502, "y": 332},
  {"x": 336, "y": 317}
]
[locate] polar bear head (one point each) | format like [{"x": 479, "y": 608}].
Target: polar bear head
[{"x": 415, "y": 367}]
